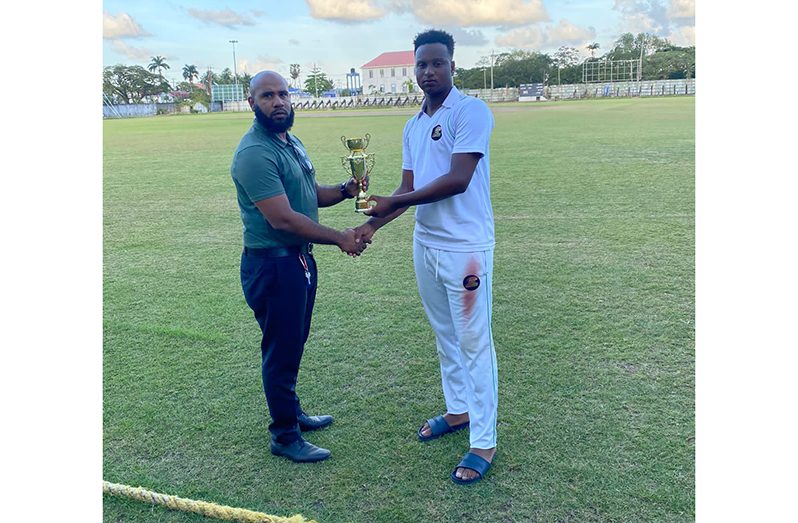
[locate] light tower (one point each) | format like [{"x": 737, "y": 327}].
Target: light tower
[{"x": 235, "y": 73}]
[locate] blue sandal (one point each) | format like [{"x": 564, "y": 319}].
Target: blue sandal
[
  {"x": 472, "y": 462},
  {"x": 439, "y": 427}
]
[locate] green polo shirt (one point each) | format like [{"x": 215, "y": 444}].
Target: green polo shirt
[{"x": 264, "y": 166}]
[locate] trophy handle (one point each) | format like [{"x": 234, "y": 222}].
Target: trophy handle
[
  {"x": 345, "y": 165},
  {"x": 343, "y": 141},
  {"x": 368, "y": 138}
]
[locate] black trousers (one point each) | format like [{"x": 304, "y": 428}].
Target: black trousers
[{"x": 277, "y": 291}]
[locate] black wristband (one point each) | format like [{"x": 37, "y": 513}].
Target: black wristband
[{"x": 344, "y": 192}]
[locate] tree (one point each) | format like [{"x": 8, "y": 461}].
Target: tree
[
  {"x": 226, "y": 77},
  {"x": 158, "y": 63},
  {"x": 473, "y": 78},
  {"x": 631, "y": 47},
  {"x": 510, "y": 69},
  {"x": 673, "y": 62},
  {"x": 190, "y": 72},
  {"x": 565, "y": 57},
  {"x": 132, "y": 84},
  {"x": 294, "y": 73},
  {"x": 317, "y": 82},
  {"x": 245, "y": 79},
  {"x": 592, "y": 47},
  {"x": 208, "y": 79},
  {"x": 190, "y": 94},
  {"x": 661, "y": 59},
  {"x": 520, "y": 67}
]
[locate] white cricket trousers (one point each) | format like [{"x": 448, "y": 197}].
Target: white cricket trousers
[{"x": 456, "y": 291}]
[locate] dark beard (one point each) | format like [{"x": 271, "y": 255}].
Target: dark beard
[{"x": 272, "y": 125}]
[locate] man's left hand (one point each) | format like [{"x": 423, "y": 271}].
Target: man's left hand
[
  {"x": 380, "y": 206},
  {"x": 352, "y": 187}
]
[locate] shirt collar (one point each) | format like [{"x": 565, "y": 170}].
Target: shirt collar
[{"x": 453, "y": 95}]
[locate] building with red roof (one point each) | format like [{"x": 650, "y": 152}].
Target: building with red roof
[{"x": 389, "y": 73}]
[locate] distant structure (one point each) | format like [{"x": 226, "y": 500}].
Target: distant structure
[
  {"x": 353, "y": 83},
  {"x": 389, "y": 73}
]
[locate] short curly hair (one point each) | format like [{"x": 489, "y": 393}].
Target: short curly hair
[{"x": 434, "y": 36}]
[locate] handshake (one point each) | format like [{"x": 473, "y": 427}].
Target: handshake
[{"x": 354, "y": 241}]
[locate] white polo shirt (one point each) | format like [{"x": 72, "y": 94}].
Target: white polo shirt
[{"x": 464, "y": 222}]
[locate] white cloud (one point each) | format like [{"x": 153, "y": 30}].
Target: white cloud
[
  {"x": 550, "y": 37},
  {"x": 523, "y": 38},
  {"x": 226, "y": 17},
  {"x": 671, "y": 19},
  {"x": 121, "y": 26},
  {"x": 396, "y": 6},
  {"x": 261, "y": 63},
  {"x": 135, "y": 53},
  {"x": 643, "y": 16},
  {"x": 345, "y": 10},
  {"x": 657, "y": 17},
  {"x": 566, "y": 33},
  {"x": 467, "y": 37},
  {"x": 479, "y": 12},
  {"x": 437, "y": 13},
  {"x": 682, "y": 9},
  {"x": 642, "y": 23},
  {"x": 683, "y": 36}
]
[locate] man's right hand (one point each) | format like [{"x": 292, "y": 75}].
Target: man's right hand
[
  {"x": 365, "y": 232},
  {"x": 351, "y": 243}
]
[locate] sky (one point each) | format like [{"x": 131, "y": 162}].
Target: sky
[{"x": 336, "y": 35}]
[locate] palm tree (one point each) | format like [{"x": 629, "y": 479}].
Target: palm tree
[
  {"x": 593, "y": 47},
  {"x": 294, "y": 72},
  {"x": 158, "y": 62},
  {"x": 245, "y": 79},
  {"x": 190, "y": 72}
]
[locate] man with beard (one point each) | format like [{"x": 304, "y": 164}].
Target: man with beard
[
  {"x": 279, "y": 199},
  {"x": 446, "y": 174}
]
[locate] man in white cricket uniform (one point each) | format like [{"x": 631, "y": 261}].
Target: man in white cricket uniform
[{"x": 446, "y": 173}]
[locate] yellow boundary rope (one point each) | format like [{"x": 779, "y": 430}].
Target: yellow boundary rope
[{"x": 199, "y": 507}]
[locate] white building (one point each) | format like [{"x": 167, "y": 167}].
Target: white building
[{"x": 389, "y": 73}]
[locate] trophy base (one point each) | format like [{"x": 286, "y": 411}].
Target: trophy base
[{"x": 361, "y": 205}]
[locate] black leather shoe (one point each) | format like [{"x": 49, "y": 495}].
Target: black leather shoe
[
  {"x": 307, "y": 423},
  {"x": 300, "y": 451}
]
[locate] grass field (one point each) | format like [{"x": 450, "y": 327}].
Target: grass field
[{"x": 593, "y": 324}]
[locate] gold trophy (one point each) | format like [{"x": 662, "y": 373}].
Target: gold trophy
[{"x": 358, "y": 165}]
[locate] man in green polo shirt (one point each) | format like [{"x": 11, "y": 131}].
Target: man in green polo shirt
[{"x": 279, "y": 199}]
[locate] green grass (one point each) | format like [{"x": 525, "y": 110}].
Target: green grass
[{"x": 593, "y": 324}]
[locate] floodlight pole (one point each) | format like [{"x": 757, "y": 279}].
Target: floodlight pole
[
  {"x": 235, "y": 72},
  {"x": 491, "y": 74},
  {"x": 640, "y": 67}
]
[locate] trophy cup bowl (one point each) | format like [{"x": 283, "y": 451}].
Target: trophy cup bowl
[{"x": 358, "y": 165}]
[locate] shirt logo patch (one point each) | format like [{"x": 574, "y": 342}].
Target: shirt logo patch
[
  {"x": 437, "y": 133},
  {"x": 471, "y": 282}
]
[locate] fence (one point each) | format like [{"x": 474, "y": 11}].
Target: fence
[
  {"x": 351, "y": 102},
  {"x": 128, "y": 110},
  {"x": 506, "y": 94},
  {"x": 139, "y": 110},
  {"x": 500, "y": 94},
  {"x": 619, "y": 89}
]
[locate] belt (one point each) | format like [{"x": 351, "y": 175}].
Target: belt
[{"x": 278, "y": 252}]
